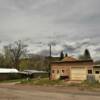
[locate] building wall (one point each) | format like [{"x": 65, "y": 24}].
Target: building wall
[
  {"x": 9, "y": 76},
  {"x": 96, "y": 73},
  {"x": 59, "y": 70},
  {"x": 80, "y": 71}
]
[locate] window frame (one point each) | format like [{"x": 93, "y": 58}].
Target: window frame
[
  {"x": 90, "y": 71},
  {"x": 97, "y": 72},
  {"x": 63, "y": 71}
]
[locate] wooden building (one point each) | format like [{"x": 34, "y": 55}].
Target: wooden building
[{"x": 71, "y": 69}]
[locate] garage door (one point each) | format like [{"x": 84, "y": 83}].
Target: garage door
[{"x": 78, "y": 74}]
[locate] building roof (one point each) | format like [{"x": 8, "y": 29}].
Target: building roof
[
  {"x": 96, "y": 66},
  {"x": 8, "y": 70},
  {"x": 69, "y": 59},
  {"x": 32, "y": 72}
]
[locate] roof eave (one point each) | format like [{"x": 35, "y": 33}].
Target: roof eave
[{"x": 72, "y": 61}]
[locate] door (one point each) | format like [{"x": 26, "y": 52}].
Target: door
[{"x": 78, "y": 74}]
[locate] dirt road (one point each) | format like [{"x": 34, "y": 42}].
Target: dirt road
[{"x": 13, "y": 92}]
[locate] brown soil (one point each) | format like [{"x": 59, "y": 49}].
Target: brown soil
[{"x": 28, "y": 92}]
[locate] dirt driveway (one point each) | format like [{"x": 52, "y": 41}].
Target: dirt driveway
[{"x": 19, "y": 92}]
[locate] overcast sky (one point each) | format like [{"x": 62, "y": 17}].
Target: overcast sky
[{"x": 72, "y": 25}]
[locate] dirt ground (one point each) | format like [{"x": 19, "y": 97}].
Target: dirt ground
[{"x": 27, "y": 92}]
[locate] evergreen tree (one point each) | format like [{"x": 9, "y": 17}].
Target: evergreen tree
[
  {"x": 61, "y": 55},
  {"x": 66, "y": 55},
  {"x": 87, "y": 54}
]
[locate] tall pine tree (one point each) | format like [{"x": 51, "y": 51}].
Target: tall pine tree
[
  {"x": 61, "y": 55},
  {"x": 66, "y": 55},
  {"x": 87, "y": 54}
]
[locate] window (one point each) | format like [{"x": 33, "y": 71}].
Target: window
[
  {"x": 89, "y": 71},
  {"x": 97, "y": 72},
  {"x": 62, "y": 71},
  {"x": 53, "y": 71}
]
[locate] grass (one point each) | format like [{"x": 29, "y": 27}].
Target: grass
[
  {"x": 86, "y": 85},
  {"x": 43, "y": 81},
  {"x": 36, "y": 81},
  {"x": 93, "y": 84}
]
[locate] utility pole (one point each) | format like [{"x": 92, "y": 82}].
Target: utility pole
[
  {"x": 50, "y": 61},
  {"x": 50, "y": 51}
]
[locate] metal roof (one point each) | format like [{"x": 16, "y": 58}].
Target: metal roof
[
  {"x": 32, "y": 71},
  {"x": 8, "y": 70}
]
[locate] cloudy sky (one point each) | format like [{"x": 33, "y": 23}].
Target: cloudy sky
[{"x": 71, "y": 25}]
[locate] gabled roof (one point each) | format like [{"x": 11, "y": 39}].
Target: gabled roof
[{"x": 69, "y": 59}]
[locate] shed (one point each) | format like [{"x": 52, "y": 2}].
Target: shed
[
  {"x": 8, "y": 73},
  {"x": 34, "y": 73},
  {"x": 8, "y": 70}
]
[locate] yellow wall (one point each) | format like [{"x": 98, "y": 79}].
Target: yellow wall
[
  {"x": 75, "y": 71},
  {"x": 79, "y": 73},
  {"x": 97, "y": 76}
]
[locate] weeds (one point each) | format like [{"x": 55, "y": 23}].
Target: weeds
[{"x": 42, "y": 82}]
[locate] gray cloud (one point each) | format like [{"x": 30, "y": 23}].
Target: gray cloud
[{"x": 72, "y": 25}]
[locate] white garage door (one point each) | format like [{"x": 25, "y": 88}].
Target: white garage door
[{"x": 78, "y": 74}]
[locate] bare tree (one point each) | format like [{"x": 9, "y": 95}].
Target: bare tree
[
  {"x": 16, "y": 51},
  {"x": 2, "y": 60}
]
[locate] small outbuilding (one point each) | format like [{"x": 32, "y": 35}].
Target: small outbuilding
[
  {"x": 34, "y": 73},
  {"x": 8, "y": 73},
  {"x": 71, "y": 69},
  {"x": 8, "y": 70}
]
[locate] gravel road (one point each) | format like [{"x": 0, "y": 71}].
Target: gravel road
[{"x": 41, "y": 93}]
